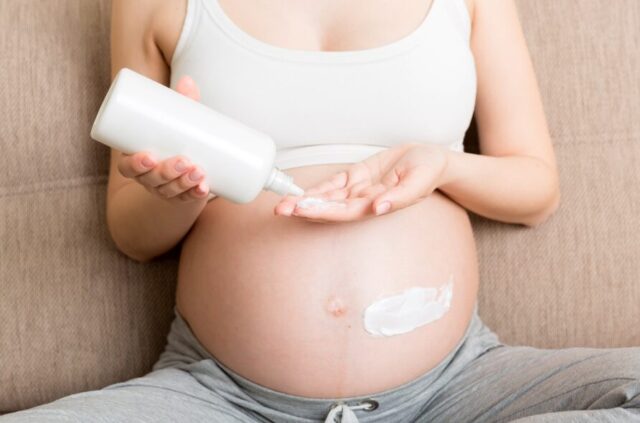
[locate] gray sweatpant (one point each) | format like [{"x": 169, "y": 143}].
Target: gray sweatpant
[{"x": 482, "y": 380}]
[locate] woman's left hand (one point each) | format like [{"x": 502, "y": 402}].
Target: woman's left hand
[{"x": 398, "y": 177}]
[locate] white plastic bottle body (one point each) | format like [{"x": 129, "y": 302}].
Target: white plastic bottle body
[{"x": 140, "y": 114}]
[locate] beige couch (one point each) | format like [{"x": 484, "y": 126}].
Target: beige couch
[{"x": 76, "y": 314}]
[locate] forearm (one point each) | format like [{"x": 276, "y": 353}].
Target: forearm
[
  {"x": 512, "y": 189},
  {"x": 144, "y": 226}
]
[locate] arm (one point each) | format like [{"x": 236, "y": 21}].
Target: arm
[
  {"x": 515, "y": 178},
  {"x": 512, "y": 189},
  {"x": 142, "y": 225}
]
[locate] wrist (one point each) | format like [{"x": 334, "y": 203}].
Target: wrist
[{"x": 449, "y": 173}]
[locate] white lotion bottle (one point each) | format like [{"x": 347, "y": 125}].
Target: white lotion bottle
[{"x": 140, "y": 114}]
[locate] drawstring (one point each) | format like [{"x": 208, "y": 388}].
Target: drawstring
[{"x": 347, "y": 414}]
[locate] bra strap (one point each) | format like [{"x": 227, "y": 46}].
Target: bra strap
[{"x": 459, "y": 13}]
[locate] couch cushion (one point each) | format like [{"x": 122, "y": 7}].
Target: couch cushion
[
  {"x": 573, "y": 281},
  {"x": 76, "y": 313}
]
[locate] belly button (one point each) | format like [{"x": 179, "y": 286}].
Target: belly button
[{"x": 336, "y": 307}]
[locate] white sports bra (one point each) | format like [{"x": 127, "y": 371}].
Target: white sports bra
[{"x": 335, "y": 106}]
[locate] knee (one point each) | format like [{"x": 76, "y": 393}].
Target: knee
[
  {"x": 45, "y": 413},
  {"x": 619, "y": 368},
  {"x": 623, "y": 363}
]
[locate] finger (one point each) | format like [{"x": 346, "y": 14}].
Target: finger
[
  {"x": 392, "y": 177},
  {"x": 336, "y": 217},
  {"x": 287, "y": 204},
  {"x": 356, "y": 189},
  {"x": 373, "y": 191},
  {"x": 198, "y": 192},
  {"x": 285, "y": 207},
  {"x": 131, "y": 165},
  {"x": 337, "y": 181},
  {"x": 412, "y": 186},
  {"x": 165, "y": 171},
  {"x": 179, "y": 185},
  {"x": 353, "y": 209},
  {"x": 187, "y": 86},
  {"x": 338, "y": 194}
]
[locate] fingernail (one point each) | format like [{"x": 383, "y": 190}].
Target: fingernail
[
  {"x": 188, "y": 81},
  {"x": 180, "y": 166},
  {"x": 148, "y": 162},
  {"x": 195, "y": 175},
  {"x": 383, "y": 208},
  {"x": 202, "y": 188}
]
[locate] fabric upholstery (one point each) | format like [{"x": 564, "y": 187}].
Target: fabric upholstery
[{"x": 76, "y": 314}]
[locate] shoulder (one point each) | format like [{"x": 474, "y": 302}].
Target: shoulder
[
  {"x": 166, "y": 24},
  {"x": 470, "y": 6},
  {"x": 135, "y": 15},
  {"x": 154, "y": 23}
]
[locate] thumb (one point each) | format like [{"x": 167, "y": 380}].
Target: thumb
[
  {"x": 409, "y": 189},
  {"x": 187, "y": 86}
]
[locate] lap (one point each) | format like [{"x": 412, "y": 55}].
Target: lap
[
  {"x": 511, "y": 382},
  {"x": 486, "y": 381},
  {"x": 165, "y": 395}
]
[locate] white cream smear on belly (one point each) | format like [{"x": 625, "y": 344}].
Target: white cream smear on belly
[
  {"x": 316, "y": 202},
  {"x": 412, "y": 308}
]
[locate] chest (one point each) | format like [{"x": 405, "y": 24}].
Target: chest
[
  {"x": 334, "y": 74},
  {"x": 328, "y": 25}
]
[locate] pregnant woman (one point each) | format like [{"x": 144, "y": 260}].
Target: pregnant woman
[{"x": 362, "y": 308}]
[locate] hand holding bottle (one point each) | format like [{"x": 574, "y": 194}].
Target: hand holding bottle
[
  {"x": 175, "y": 178},
  {"x": 140, "y": 115}
]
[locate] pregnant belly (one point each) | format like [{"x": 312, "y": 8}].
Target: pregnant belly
[{"x": 280, "y": 300}]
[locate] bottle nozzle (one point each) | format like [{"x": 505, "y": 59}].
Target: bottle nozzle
[
  {"x": 296, "y": 190},
  {"x": 281, "y": 183}
]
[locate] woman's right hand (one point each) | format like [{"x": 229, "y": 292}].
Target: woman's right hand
[{"x": 175, "y": 179}]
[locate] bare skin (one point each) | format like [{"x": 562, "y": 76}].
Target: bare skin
[{"x": 279, "y": 299}]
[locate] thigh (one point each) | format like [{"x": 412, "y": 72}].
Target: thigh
[
  {"x": 166, "y": 395},
  {"x": 511, "y": 382}
]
